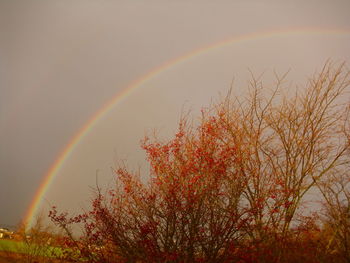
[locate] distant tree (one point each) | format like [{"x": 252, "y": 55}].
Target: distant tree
[{"x": 228, "y": 188}]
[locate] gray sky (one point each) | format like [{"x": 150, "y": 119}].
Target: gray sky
[{"x": 61, "y": 61}]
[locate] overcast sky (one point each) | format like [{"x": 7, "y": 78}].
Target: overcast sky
[{"x": 61, "y": 61}]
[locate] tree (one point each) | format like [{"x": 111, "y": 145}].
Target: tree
[{"x": 229, "y": 188}]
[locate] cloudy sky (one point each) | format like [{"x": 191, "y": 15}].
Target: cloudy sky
[{"x": 62, "y": 61}]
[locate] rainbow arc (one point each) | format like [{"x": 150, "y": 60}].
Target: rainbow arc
[{"x": 93, "y": 121}]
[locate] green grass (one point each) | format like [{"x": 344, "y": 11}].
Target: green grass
[
  {"x": 10, "y": 245},
  {"x": 34, "y": 249}
]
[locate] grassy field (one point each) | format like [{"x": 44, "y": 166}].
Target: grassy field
[
  {"x": 33, "y": 249},
  {"x": 10, "y": 245}
]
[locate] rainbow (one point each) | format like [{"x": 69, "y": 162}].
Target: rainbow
[{"x": 73, "y": 143}]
